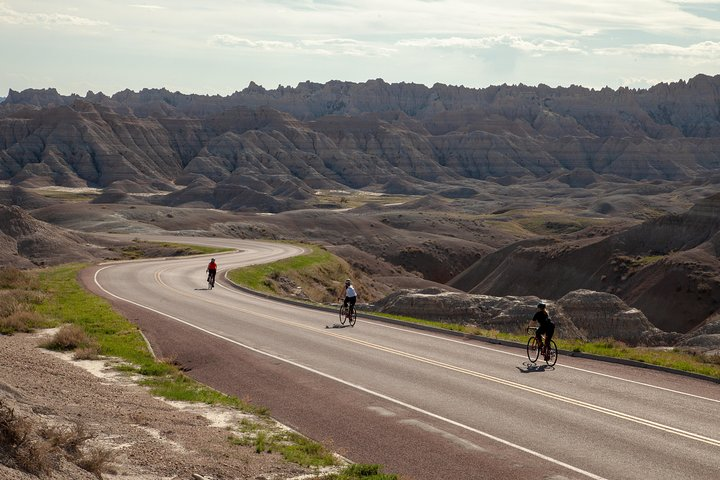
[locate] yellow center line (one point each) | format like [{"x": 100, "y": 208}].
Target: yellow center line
[{"x": 465, "y": 371}]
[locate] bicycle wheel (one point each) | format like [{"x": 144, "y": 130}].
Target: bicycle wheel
[
  {"x": 553, "y": 354},
  {"x": 353, "y": 318},
  {"x": 343, "y": 313},
  {"x": 533, "y": 350}
]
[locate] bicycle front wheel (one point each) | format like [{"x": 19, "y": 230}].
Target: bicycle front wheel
[
  {"x": 343, "y": 313},
  {"x": 553, "y": 354},
  {"x": 533, "y": 349}
]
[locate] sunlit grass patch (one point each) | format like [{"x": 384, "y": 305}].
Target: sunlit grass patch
[
  {"x": 314, "y": 271},
  {"x": 295, "y": 448},
  {"x": 362, "y": 472},
  {"x": 180, "y": 387}
]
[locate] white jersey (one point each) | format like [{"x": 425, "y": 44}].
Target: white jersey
[{"x": 350, "y": 291}]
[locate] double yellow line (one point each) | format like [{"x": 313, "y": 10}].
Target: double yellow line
[{"x": 472, "y": 373}]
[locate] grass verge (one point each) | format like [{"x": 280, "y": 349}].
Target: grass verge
[
  {"x": 318, "y": 274},
  {"x": 90, "y": 320}
]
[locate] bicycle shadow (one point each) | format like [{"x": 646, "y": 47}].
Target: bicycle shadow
[
  {"x": 534, "y": 368},
  {"x": 337, "y": 325}
]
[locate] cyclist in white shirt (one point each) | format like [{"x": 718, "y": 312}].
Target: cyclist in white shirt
[{"x": 350, "y": 296}]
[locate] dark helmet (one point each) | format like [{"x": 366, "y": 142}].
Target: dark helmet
[
  {"x": 541, "y": 305},
  {"x": 212, "y": 259}
]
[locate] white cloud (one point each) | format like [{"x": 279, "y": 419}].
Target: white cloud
[
  {"x": 325, "y": 47},
  {"x": 233, "y": 41},
  {"x": 148, "y": 7},
  {"x": 518, "y": 43},
  {"x": 14, "y": 17},
  {"x": 707, "y": 50}
]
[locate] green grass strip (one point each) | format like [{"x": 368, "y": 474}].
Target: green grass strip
[
  {"x": 256, "y": 277},
  {"x": 360, "y": 471},
  {"x": 68, "y": 302}
]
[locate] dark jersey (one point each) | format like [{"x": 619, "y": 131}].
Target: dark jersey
[{"x": 542, "y": 318}]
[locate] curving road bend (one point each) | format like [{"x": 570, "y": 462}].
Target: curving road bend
[{"x": 425, "y": 405}]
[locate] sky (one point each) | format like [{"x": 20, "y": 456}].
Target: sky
[{"x": 217, "y": 47}]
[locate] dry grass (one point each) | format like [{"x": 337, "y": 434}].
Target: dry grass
[
  {"x": 95, "y": 460},
  {"x": 12, "y": 278},
  {"x": 19, "y": 448},
  {"x": 71, "y": 440},
  {"x": 70, "y": 337},
  {"x": 37, "y": 450},
  {"x": 20, "y": 321},
  {"x": 19, "y": 293}
]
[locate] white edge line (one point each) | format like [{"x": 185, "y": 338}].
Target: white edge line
[{"x": 359, "y": 387}]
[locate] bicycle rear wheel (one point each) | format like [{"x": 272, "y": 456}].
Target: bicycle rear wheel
[
  {"x": 343, "y": 313},
  {"x": 353, "y": 318},
  {"x": 533, "y": 349},
  {"x": 553, "y": 354}
]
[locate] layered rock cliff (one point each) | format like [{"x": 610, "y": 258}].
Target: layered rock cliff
[
  {"x": 359, "y": 135},
  {"x": 667, "y": 267}
]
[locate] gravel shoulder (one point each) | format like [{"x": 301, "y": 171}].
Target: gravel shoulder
[{"x": 149, "y": 438}]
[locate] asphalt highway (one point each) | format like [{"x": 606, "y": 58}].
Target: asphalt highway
[{"x": 425, "y": 405}]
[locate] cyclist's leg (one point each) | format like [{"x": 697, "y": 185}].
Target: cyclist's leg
[
  {"x": 548, "y": 337},
  {"x": 539, "y": 333},
  {"x": 351, "y": 302},
  {"x": 346, "y": 304}
]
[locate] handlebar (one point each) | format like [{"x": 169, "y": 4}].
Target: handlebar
[{"x": 531, "y": 330}]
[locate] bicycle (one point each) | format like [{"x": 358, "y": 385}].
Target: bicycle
[
  {"x": 347, "y": 314},
  {"x": 211, "y": 281},
  {"x": 534, "y": 349}
]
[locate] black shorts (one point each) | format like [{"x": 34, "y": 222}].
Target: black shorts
[
  {"x": 547, "y": 329},
  {"x": 350, "y": 301}
]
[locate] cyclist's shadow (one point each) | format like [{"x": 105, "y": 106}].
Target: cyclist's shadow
[
  {"x": 534, "y": 367},
  {"x": 337, "y": 325}
]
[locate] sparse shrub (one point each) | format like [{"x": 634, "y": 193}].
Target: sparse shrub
[
  {"x": 261, "y": 443},
  {"x": 13, "y": 278},
  {"x": 23, "y": 297},
  {"x": 18, "y": 448},
  {"x": 11, "y": 324},
  {"x": 69, "y": 337},
  {"x": 95, "y": 460},
  {"x": 8, "y": 305},
  {"x": 87, "y": 353},
  {"x": 68, "y": 439},
  {"x": 20, "y": 321}
]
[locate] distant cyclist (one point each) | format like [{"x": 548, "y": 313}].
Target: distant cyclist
[
  {"x": 546, "y": 327},
  {"x": 211, "y": 271},
  {"x": 350, "y": 296}
]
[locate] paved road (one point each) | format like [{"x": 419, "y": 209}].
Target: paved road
[{"x": 425, "y": 405}]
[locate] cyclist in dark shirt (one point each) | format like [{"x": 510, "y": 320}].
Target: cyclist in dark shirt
[
  {"x": 211, "y": 271},
  {"x": 546, "y": 327}
]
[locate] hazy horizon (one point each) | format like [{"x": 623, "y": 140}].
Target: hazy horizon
[{"x": 218, "y": 47}]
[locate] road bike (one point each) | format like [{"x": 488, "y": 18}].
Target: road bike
[
  {"x": 534, "y": 349},
  {"x": 347, "y": 315}
]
